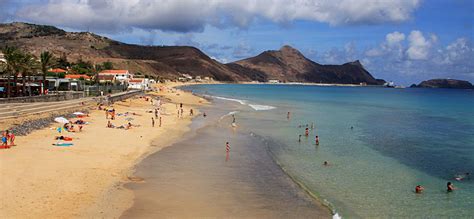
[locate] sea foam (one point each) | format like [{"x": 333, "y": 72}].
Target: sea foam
[{"x": 256, "y": 107}]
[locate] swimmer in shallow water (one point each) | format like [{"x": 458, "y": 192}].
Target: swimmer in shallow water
[
  {"x": 450, "y": 187},
  {"x": 462, "y": 176},
  {"x": 419, "y": 189}
]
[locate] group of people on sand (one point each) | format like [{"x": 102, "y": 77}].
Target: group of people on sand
[
  {"x": 8, "y": 138},
  {"x": 71, "y": 128}
]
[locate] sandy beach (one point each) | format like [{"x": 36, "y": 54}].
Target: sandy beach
[{"x": 40, "y": 180}]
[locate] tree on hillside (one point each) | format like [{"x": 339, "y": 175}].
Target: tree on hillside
[
  {"x": 82, "y": 67},
  {"x": 107, "y": 65},
  {"x": 47, "y": 61}
]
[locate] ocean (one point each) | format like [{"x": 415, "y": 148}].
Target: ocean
[{"x": 379, "y": 143}]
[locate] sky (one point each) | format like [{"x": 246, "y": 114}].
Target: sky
[{"x": 405, "y": 41}]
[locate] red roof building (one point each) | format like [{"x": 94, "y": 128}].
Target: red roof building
[
  {"x": 57, "y": 70},
  {"x": 77, "y": 76}
]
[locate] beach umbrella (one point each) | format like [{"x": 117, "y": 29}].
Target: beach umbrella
[
  {"x": 61, "y": 120},
  {"x": 79, "y": 113}
]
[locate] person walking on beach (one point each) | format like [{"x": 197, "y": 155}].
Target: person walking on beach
[
  {"x": 191, "y": 112},
  {"x": 182, "y": 112},
  {"x": 152, "y": 122},
  {"x": 317, "y": 140},
  {"x": 156, "y": 113},
  {"x": 159, "y": 122},
  {"x": 227, "y": 151}
]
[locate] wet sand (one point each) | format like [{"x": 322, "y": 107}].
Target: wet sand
[{"x": 191, "y": 179}]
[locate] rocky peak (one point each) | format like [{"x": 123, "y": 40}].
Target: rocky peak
[{"x": 288, "y": 50}]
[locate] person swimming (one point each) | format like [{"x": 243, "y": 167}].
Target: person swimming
[
  {"x": 326, "y": 163},
  {"x": 419, "y": 189},
  {"x": 450, "y": 187},
  {"x": 462, "y": 176}
]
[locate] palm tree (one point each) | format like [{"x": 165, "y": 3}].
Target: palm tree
[
  {"x": 46, "y": 61},
  {"x": 28, "y": 66},
  {"x": 11, "y": 67}
]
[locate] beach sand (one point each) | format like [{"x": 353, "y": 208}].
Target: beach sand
[{"x": 39, "y": 180}]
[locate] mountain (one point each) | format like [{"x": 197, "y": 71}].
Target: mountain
[
  {"x": 288, "y": 64},
  {"x": 445, "y": 83},
  {"x": 167, "y": 62}
]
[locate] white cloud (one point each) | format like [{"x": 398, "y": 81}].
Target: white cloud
[
  {"x": 394, "y": 38},
  {"x": 194, "y": 15},
  {"x": 419, "y": 45}
]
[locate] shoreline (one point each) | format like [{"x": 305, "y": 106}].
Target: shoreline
[
  {"x": 86, "y": 180},
  {"x": 182, "y": 178}
]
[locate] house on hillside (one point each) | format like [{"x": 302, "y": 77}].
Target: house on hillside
[
  {"x": 107, "y": 78},
  {"x": 57, "y": 70},
  {"x": 123, "y": 76},
  {"x": 78, "y": 77}
]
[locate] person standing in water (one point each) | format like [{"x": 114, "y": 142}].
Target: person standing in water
[
  {"x": 450, "y": 187},
  {"x": 306, "y": 132},
  {"x": 288, "y": 115},
  {"x": 227, "y": 151},
  {"x": 419, "y": 189},
  {"x": 317, "y": 140},
  {"x": 299, "y": 138}
]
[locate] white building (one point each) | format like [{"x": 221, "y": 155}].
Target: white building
[
  {"x": 274, "y": 81},
  {"x": 139, "y": 83},
  {"x": 120, "y": 75}
]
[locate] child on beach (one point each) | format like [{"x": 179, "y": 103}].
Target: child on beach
[
  {"x": 4, "y": 139},
  {"x": 109, "y": 124},
  {"x": 227, "y": 149}
]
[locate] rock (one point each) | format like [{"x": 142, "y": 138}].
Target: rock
[{"x": 445, "y": 83}]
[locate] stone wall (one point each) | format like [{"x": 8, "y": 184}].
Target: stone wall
[{"x": 45, "y": 98}]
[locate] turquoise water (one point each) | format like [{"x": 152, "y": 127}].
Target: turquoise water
[{"x": 400, "y": 138}]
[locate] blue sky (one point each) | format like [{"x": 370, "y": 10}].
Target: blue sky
[{"x": 401, "y": 40}]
